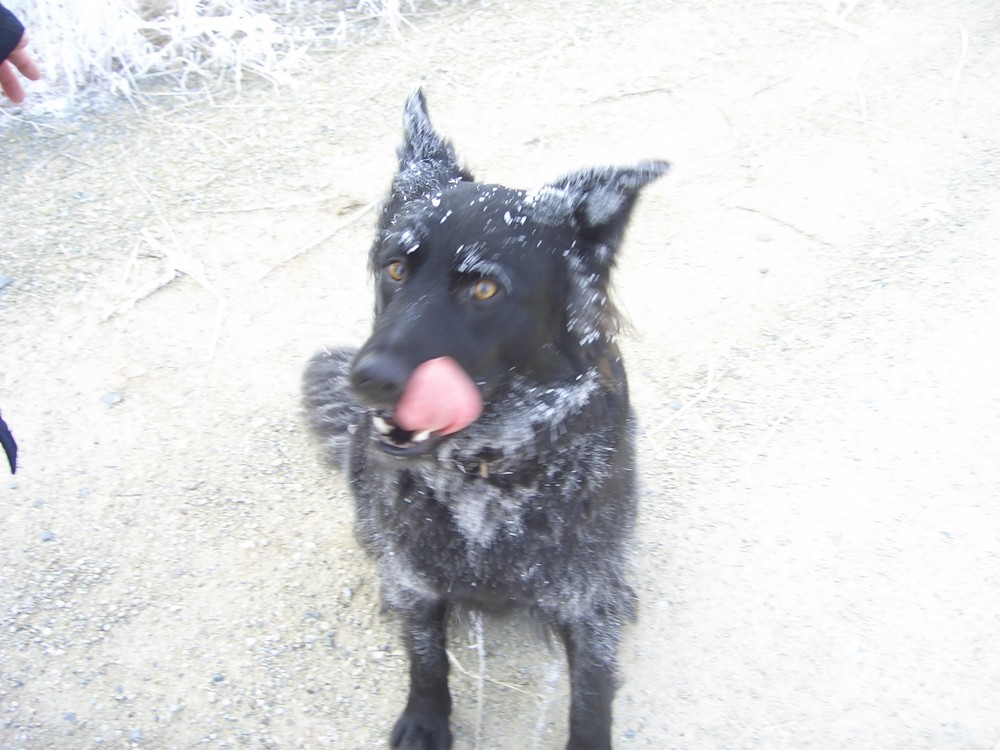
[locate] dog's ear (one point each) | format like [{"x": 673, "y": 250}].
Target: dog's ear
[
  {"x": 427, "y": 162},
  {"x": 596, "y": 203}
]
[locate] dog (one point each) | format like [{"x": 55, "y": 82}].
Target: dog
[{"x": 485, "y": 426}]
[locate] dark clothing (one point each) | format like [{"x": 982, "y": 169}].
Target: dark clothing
[
  {"x": 9, "y": 446},
  {"x": 11, "y": 31}
]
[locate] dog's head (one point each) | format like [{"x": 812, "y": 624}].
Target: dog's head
[{"x": 476, "y": 282}]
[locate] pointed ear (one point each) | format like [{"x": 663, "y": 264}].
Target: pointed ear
[
  {"x": 596, "y": 202},
  {"x": 427, "y": 162}
]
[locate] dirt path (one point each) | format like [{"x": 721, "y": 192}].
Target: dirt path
[{"x": 815, "y": 292}]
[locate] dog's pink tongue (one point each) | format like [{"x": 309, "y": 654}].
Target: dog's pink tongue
[{"x": 439, "y": 397}]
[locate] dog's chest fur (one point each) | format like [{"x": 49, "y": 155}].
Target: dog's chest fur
[{"x": 504, "y": 512}]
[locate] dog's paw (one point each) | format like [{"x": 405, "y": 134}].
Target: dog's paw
[{"x": 421, "y": 731}]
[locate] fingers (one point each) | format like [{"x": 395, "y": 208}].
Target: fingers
[
  {"x": 9, "y": 83},
  {"x": 21, "y": 60}
]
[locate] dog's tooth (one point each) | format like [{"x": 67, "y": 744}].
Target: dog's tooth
[
  {"x": 420, "y": 437},
  {"x": 381, "y": 425}
]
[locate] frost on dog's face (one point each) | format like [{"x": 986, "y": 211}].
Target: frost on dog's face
[
  {"x": 501, "y": 281},
  {"x": 467, "y": 273},
  {"x": 568, "y": 229}
]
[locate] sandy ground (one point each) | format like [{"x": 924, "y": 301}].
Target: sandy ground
[{"x": 815, "y": 296}]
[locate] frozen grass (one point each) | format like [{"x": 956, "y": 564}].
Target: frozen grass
[{"x": 129, "y": 47}]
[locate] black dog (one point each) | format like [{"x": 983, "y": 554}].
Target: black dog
[{"x": 485, "y": 426}]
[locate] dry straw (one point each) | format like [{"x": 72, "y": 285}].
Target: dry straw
[{"x": 128, "y": 47}]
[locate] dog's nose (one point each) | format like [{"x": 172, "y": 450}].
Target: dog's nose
[{"x": 379, "y": 378}]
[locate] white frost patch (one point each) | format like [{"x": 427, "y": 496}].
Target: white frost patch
[
  {"x": 406, "y": 580},
  {"x": 473, "y": 255},
  {"x": 408, "y": 240},
  {"x": 588, "y": 304},
  {"x": 550, "y": 205},
  {"x": 471, "y": 518},
  {"x": 512, "y": 424},
  {"x": 520, "y": 425}
]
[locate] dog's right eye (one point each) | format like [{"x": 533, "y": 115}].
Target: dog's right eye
[
  {"x": 396, "y": 270},
  {"x": 484, "y": 289}
]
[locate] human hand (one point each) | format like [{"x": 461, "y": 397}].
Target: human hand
[{"x": 21, "y": 60}]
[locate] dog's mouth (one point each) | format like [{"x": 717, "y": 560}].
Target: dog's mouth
[
  {"x": 439, "y": 399},
  {"x": 396, "y": 441}
]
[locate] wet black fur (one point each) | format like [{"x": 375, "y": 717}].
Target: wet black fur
[{"x": 532, "y": 506}]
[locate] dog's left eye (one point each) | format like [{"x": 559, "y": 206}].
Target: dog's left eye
[
  {"x": 396, "y": 270},
  {"x": 484, "y": 289}
]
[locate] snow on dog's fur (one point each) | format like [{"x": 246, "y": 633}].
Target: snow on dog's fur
[{"x": 531, "y": 505}]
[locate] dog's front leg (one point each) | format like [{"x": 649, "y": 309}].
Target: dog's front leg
[
  {"x": 591, "y": 646},
  {"x": 424, "y": 723}
]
